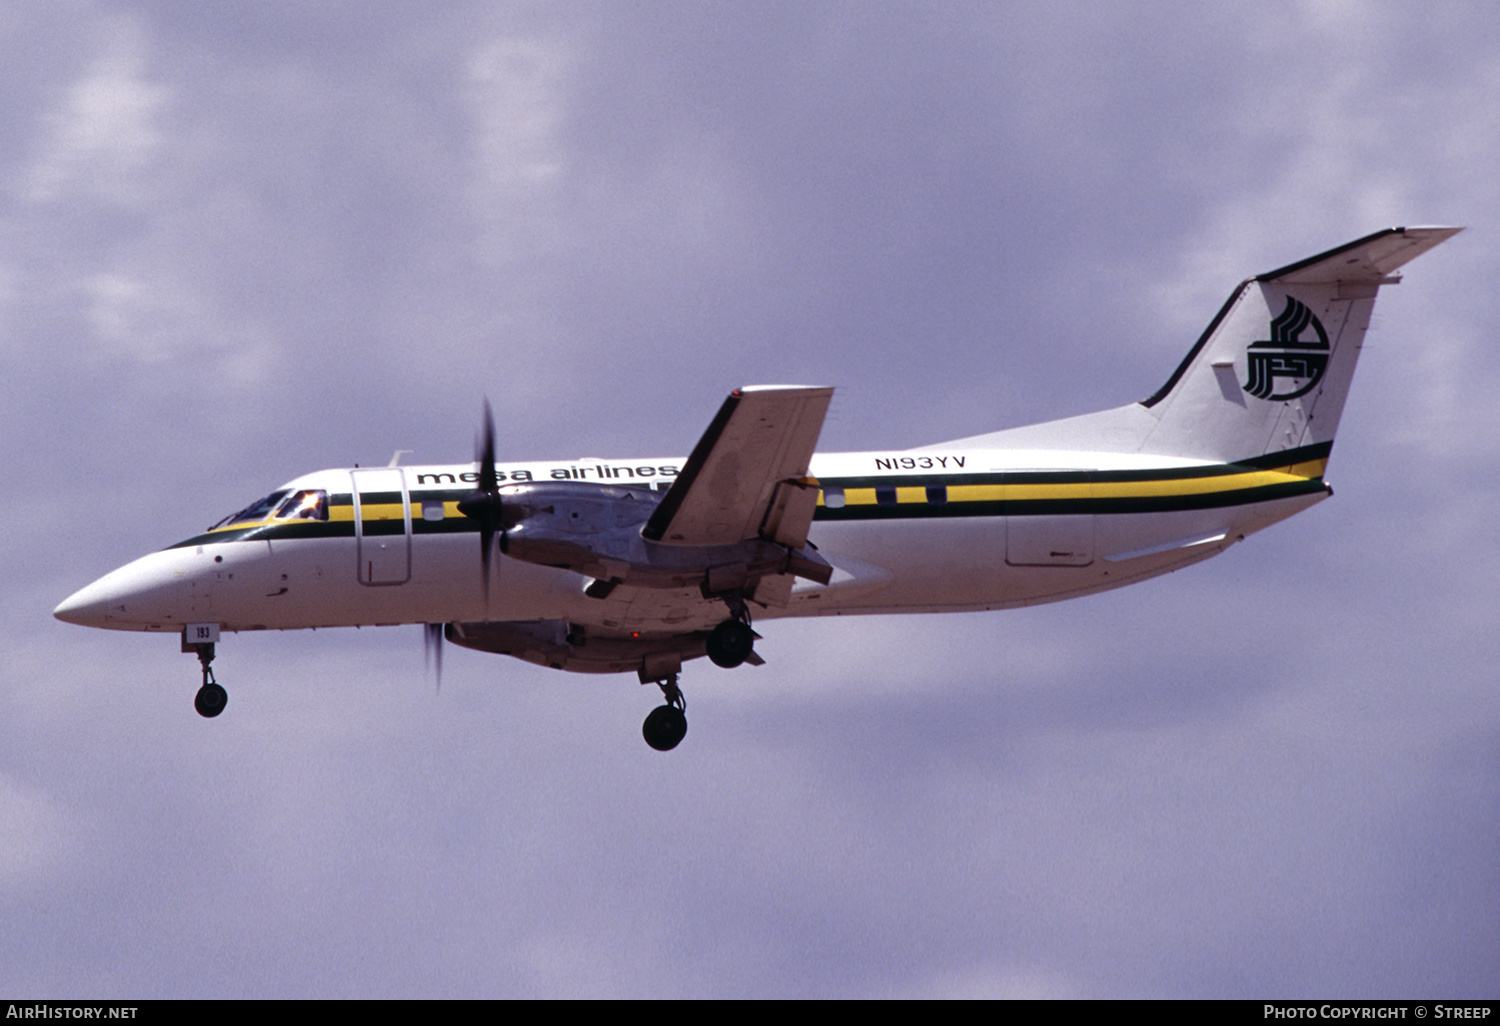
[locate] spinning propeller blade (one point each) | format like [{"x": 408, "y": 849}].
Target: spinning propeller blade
[
  {"x": 432, "y": 649},
  {"x": 483, "y": 504}
]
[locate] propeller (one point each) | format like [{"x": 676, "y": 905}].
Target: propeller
[
  {"x": 484, "y": 503},
  {"x": 432, "y": 649}
]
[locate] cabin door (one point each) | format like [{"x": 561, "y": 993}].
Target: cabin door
[{"x": 382, "y": 526}]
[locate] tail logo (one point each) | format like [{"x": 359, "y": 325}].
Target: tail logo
[{"x": 1286, "y": 356}]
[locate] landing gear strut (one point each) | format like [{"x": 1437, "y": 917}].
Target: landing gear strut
[
  {"x": 211, "y": 698},
  {"x": 732, "y": 642},
  {"x": 667, "y": 724}
]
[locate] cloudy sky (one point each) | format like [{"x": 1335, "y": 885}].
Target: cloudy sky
[{"x": 246, "y": 240}]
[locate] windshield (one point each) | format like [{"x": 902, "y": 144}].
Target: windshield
[
  {"x": 308, "y": 504},
  {"x": 254, "y": 512}
]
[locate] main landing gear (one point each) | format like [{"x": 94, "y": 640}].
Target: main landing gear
[
  {"x": 733, "y": 642},
  {"x": 211, "y": 698},
  {"x": 665, "y": 728},
  {"x": 729, "y": 644}
]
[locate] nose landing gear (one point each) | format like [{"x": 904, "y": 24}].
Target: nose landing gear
[{"x": 211, "y": 698}]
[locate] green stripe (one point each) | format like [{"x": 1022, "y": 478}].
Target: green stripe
[
  {"x": 1082, "y": 505},
  {"x": 1066, "y": 507},
  {"x": 1270, "y": 461}
]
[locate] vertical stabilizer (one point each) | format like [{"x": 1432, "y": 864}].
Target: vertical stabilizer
[{"x": 1273, "y": 369}]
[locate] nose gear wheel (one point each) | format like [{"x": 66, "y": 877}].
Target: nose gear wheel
[
  {"x": 211, "y": 697},
  {"x": 210, "y": 700}
]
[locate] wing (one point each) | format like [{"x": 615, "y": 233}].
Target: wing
[{"x": 747, "y": 476}]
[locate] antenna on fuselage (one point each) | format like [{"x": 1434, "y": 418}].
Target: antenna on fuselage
[{"x": 396, "y": 458}]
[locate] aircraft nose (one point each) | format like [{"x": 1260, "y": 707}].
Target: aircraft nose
[
  {"x": 152, "y": 593},
  {"x": 84, "y": 607}
]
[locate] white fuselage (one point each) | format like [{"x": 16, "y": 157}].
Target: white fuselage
[{"x": 918, "y": 531}]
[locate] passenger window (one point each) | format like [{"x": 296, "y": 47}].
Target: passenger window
[
  {"x": 885, "y": 495},
  {"x": 833, "y": 498},
  {"x": 432, "y": 509},
  {"x": 937, "y": 495}
]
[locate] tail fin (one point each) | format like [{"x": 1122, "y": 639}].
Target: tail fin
[
  {"x": 1269, "y": 375},
  {"x": 1273, "y": 369}
]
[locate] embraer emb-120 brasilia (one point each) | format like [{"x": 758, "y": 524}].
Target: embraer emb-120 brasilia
[{"x": 641, "y": 565}]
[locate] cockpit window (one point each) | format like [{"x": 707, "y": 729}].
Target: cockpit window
[
  {"x": 308, "y": 504},
  {"x": 253, "y": 513}
]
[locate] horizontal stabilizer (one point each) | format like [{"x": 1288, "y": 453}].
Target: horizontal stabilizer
[
  {"x": 1269, "y": 374},
  {"x": 1371, "y": 258}
]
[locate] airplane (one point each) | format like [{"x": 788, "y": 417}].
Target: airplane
[{"x": 640, "y": 565}]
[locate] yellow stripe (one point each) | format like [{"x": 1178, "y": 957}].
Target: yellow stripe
[
  {"x": 981, "y": 493},
  {"x": 1101, "y": 489},
  {"x": 345, "y": 515},
  {"x": 240, "y": 525},
  {"x": 384, "y": 511},
  {"x": 392, "y": 511},
  {"x": 1310, "y": 469},
  {"x": 1193, "y": 486}
]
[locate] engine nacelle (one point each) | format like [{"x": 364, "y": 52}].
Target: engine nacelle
[
  {"x": 595, "y": 530},
  {"x": 565, "y": 646}
]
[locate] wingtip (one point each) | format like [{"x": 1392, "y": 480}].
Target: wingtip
[
  {"x": 1434, "y": 231},
  {"x": 809, "y": 389}
]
